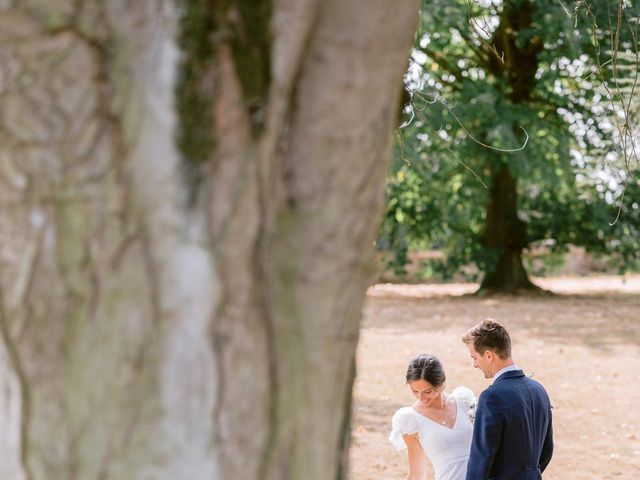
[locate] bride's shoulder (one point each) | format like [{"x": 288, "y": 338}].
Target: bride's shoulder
[
  {"x": 404, "y": 422},
  {"x": 404, "y": 412},
  {"x": 405, "y": 419},
  {"x": 464, "y": 394}
]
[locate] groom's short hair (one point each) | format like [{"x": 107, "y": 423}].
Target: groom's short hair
[{"x": 489, "y": 335}]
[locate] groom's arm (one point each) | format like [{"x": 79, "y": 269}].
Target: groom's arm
[
  {"x": 547, "y": 447},
  {"x": 487, "y": 435}
]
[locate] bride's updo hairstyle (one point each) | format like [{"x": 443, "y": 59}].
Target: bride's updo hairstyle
[{"x": 428, "y": 368}]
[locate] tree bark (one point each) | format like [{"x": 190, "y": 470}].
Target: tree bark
[
  {"x": 154, "y": 327},
  {"x": 505, "y": 236}
]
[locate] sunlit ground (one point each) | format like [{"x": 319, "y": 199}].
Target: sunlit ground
[{"x": 582, "y": 344}]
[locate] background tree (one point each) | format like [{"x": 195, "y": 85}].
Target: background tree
[
  {"x": 488, "y": 78},
  {"x": 188, "y": 312}
]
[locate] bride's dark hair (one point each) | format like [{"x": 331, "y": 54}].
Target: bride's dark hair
[{"x": 428, "y": 368}]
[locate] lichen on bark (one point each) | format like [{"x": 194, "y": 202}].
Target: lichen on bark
[
  {"x": 249, "y": 23},
  {"x": 204, "y": 26},
  {"x": 195, "y": 89}
]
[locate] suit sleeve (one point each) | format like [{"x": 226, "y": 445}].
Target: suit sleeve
[
  {"x": 487, "y": 435},
  {"x": 547, "y": 446}
]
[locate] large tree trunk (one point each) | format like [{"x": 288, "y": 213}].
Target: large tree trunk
[
  {"x": 504, "y": 236},
  {"x": 188, "y": 312}
]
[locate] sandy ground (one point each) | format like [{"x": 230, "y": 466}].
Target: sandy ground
[{"x": 583, "y": 344}]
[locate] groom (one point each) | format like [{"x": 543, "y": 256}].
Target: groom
[{"x": 512, "y": 434}]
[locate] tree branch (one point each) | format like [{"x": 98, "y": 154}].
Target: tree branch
[{"x": 440, "y": 60}]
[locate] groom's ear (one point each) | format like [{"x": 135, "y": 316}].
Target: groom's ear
[{"x": 490, "y": 355}]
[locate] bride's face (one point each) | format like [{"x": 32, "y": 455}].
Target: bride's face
[{"x": 426, "y": 393}]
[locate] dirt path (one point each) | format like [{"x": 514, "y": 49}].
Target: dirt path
[{"x": 583, "y": 345}]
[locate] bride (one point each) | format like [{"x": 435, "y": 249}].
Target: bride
[{"x": 437, "y": 426}]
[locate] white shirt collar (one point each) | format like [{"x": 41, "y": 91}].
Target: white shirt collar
[{"x": 510, "y": 368}]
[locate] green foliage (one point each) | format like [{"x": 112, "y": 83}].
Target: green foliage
[
  {"x": 548, "y": 262},
  {"x": 484, "y": 75}
]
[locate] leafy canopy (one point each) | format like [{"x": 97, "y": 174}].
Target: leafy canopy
[{"x": 517, "y": 83}]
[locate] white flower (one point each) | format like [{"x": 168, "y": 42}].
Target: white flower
[{"x": 471, "y": 413}]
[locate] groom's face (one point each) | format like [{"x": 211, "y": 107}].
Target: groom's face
[{"x": 481, "y": 360}]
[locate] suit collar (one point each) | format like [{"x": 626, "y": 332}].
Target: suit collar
[{"x": 510, "y": 374}]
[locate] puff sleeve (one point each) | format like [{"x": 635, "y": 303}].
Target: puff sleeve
[
  {"x": 404, "y": 422},
  {"x": 464, "y": 395}
]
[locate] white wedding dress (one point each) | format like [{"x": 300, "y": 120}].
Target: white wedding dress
[{"x": 446, "y": 448}]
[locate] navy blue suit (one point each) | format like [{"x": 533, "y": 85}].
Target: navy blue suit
[{"x": 512, "y": 432}]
